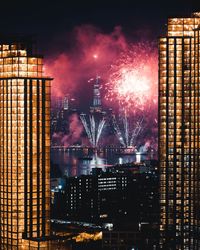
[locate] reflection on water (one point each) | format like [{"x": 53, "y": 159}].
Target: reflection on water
[{"x": 75, "y": 162}]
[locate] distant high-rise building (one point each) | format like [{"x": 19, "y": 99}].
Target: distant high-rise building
[
  {"x": 96, "y": 105},
  {"x": 179, "y": 133},
  {"x": 65, "y": 103},
  {"x": 59, "y": 103},
  {"x": 24, "y": 147}
]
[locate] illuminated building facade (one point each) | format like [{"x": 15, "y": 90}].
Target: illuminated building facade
[
  {"x": 65, "y": 103},
  {"x": 96, "y": 107},
  {"x": 24, "y": 147},
  {"x": 112, "y": 196},
  {"x": 179, "y": 133}
]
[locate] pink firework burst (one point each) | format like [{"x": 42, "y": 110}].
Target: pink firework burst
[{"x": 133, "y": 78}]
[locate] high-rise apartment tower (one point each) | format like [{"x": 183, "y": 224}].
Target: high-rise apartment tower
[
  {"x": 179, "y": 133},
  {"x": 24, "y": 147}
]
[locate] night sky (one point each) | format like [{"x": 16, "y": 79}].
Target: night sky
[
  {"x": 122, "y": 35},
  {"x": 49, "y": 20}
]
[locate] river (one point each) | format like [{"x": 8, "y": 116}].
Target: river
[{"x": 79, "y": 161}]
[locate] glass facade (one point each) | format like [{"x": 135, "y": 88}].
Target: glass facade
[
  {"x": 179, "y": 134},
  {"x": 24, "y": 149}
]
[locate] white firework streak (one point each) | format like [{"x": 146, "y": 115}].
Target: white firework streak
[
  {"x": 136, "y": 132},
  {"x": 99, "y": 130},
  {"x": 126, "y": 129},
  {"x": 93, "y": 128},
  {"x": 118, "y": 132},
  {"x": 86, "y": 127},
  {"x": 126, "y": 136}
]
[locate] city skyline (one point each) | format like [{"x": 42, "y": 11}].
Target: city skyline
[
  {"x": 79, "y": 44},
  {"x": 99, "y": 140}
]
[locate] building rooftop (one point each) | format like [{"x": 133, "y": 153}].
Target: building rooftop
[{"x": 196, "y": 14}]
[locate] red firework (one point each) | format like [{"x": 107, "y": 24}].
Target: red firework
[{"x": 133, "y": 78}]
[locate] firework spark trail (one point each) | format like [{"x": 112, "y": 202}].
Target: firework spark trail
[
  {"x": 136, "y": 132},
  {"x": 118, "y": 132},
  {"x": 126, "y": 133},
  {"x": 86, "y": 127},
  {"x": 100, "y": 129},
  {"x": 126, "y": 129},
  {"x": 93, "y": 128},
  {"x": 132, "y": 81}
]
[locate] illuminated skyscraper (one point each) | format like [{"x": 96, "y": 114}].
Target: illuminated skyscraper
[
  {"x": 24, "y": 148},
  {"x": 96, "y": 106},
  {"x": 179, "y": 133},
  {"x": 66, "y": 103}
]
